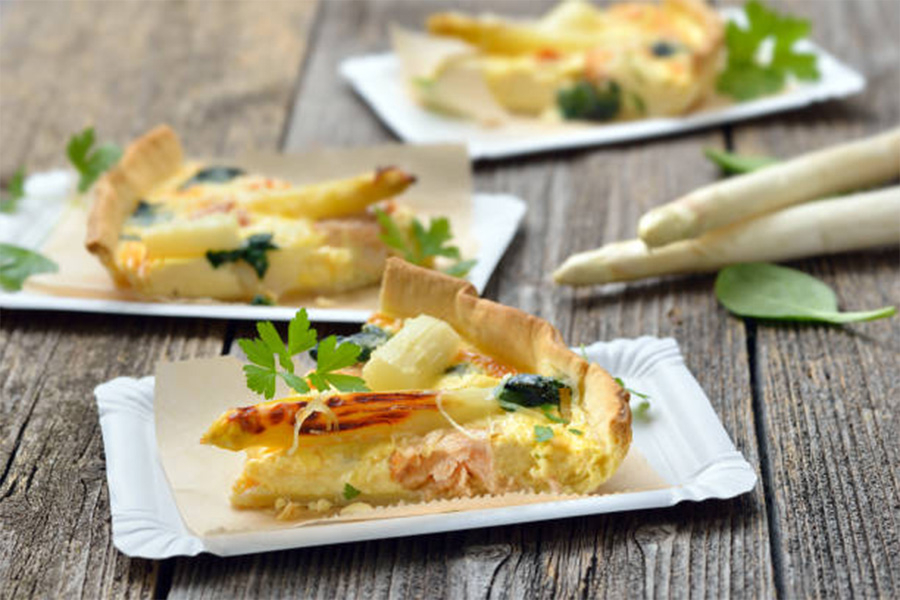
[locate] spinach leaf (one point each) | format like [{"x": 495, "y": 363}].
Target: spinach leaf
[
  {"x": 252, "y": 251},
  {"x": 732, "y": 163},
  {"x": 18, "y": 264},
  {"x": 588, "y": 102},
  {"x": 213, "y": 175},
  {"x": 767, "y": 291},
  {"x": 526, "y": 389},
  {"x": 146, "y": 214}
]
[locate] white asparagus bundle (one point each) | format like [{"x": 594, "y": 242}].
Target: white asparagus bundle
[
  {"x": 862, "y": 220},
  {"x": 836, "y": 170}
]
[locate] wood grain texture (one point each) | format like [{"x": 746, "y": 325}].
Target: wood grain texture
[
  {"x": 223, "y": 74},
  {"x": 576, "y": 200},
  {"x": 829, "y": 395}
]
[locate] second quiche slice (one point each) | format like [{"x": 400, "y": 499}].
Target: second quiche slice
[
  {"x": 165, "y": 226},
  {"x": 466, "y": 397}
]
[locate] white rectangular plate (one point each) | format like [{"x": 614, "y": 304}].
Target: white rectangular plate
[
  {"x": 378, "y": 79},
  {"x": 495, "y": 219},
  {"x": 683, "y": 440}
]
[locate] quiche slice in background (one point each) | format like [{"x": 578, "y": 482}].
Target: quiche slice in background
[
  {"x": 169, "y": 227},
  {"x": 466, "y": 397}
]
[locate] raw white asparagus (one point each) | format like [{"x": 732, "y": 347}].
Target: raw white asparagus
[
  {"x": 863, "y": 220},
  {"x": 836, "y": 170}
]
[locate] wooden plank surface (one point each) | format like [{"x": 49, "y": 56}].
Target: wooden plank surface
[
  {"x": 575, "y": 201},
  {"x": 828, "y": 396},
  {"x": 223, "y": 74}
]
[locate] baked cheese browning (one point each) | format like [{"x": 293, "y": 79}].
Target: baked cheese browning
[
  {"x": 487, "y": 364},
  {"x": 346, "y": 417}
]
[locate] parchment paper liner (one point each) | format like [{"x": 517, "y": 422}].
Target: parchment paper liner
[
  {"x": 189, "y": 395},
  {"x": 443, "y": 188}
]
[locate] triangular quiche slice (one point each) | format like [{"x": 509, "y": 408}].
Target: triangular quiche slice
[
  {"x": 170, "y": 227},
  {"x": 467, "y": 397}
]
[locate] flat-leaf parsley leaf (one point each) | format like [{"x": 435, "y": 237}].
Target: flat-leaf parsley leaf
[
  {"x": 15, "y": 191},
  {"x": 18, "y": 264},
  {"x": 424, "y": 243},
  {"x": 90, "y": 162}
]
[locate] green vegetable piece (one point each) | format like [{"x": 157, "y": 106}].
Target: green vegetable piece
[
  {"x": 18, "y": 264},
  {"x": 350, "y": 492},
  {"x": 252, "y": 251},
  {"x": 585, "y": 101},
  {"x": 574, "y": 431},
  {"x": 732, "y": 163},
  {"x": 629, "y": 390},
  {"x": 767, "y": 291},
  {"x": 641, "y": 410},
  {"x": 146, "y": 214},
  {"x": 533, "y": 391},
  {"x": 542, "y": 433},
  {"x": 552, "y": 413},
  {"x": 260, "y": 300},
  {"x": 368, "y": 339},
  {"x": 665, "y": 49},
  {"x": 15, "y": 191},
  {"x": 216, "y": 174},
  {"x": 423, "y": 244},
  {"x": 745, "y": 75},
  {"x": 90, "y": 162}
]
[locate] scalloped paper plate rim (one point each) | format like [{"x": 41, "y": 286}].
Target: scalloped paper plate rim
[{"x": 684, "y": 441}]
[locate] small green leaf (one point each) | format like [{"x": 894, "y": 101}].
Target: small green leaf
[
  {"x": 346, "y": 383},
  {"x": 542, "y": 433},
  {"x": 736, "y": 164},
  {"x": 300, "y": 337},
  {"x": 507, "y": 405},
  {"x": 332, "y": 357},
  {"x": 550, "y": 411},
  {"x": 350, "y": 492},
  {"x": 88, "y": 161},
  {"x": 269, "y": 335},
  {"x": 252, "y": 251},
  {"x": 393, "y": 237},
  {"x": 460, "y": 268},
  {"x": 629, "y": 390},
  {"x": 640, "y": 410},
  {"x": 15, "y": 191},
  {"x": 18, "y": 264},
  {"x": 260, "y": 380},
  {"x": 767, "y": 291},
  {"x": 574, "y": 431},
  {"x": 295, "y": 382},
  {"x": 257, "y": 352}
]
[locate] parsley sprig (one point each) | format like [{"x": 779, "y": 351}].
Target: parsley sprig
[
  {"x": 15, "y": 191},
  {"x": 90, "y": 162},
  {"x": 747, "y": 75},
  {"x": 271, "y": 359},
  {"x": 18, "y": 264},
  {"x": 424, "y": 243}
]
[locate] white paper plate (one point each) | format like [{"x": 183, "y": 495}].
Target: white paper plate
[
  {"x": 377, "y": 78},
  {"x": 495, "y": 219},
  {"x": 683, "y": 440}
]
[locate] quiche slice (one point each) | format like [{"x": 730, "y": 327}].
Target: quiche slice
[
  {"x": 578, "y": 62},
  {"x": 467, "y": 397},
  {"x": 166, "y": 226}
]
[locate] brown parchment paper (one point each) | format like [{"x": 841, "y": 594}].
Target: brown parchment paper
[
  {"x": 189, "y": 395},
  {"x": 443, "y": 188}
]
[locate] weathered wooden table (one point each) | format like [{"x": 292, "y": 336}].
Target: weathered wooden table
[{"x": 813, "y": 408}]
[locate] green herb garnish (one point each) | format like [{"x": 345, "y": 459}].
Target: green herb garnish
[
  {"x": 542, "y": 433},
  {"x": 368, "y": 340},
  {"x": 737, "y": 164},
  {"x": 90, "y": 162},
  {"x": 640, "y": 410},
  {"x": 252, "y": 251},
  {"x": 423, "y": 244},
  {"x": 350, "y": 492},
  {"x": 260, "y": 300},
  {"x": 767, "y": 291},
  {"x": 15, "y": 191},
  {"x": 271, "y": 359},
  {"x": 146, "y": 214},
  {"x": 213, "y": 175},
  {"x": 746, "y": 76},
  {"x": 18, "y": 264},
  {"x": 574, "y": 431},
  {"x": 585, "y": 101},
  {"x": 629, "y": 390},
  {"x": 551, "y": 411}
]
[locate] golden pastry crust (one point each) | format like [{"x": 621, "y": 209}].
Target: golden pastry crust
[
  {"x": 149, "y": 160},
  {"x": 524, "y": 341}
]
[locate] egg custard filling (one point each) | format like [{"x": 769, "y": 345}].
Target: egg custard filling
[
  {"x": 465, "y": 397},
  {"x": 577, "y": 62},
  {"x": 170, "y": 227}
]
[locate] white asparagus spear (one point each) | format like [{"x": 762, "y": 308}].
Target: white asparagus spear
[
  {"x": 863, "y": 220},
  {"x": 820, "y": 174}
]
